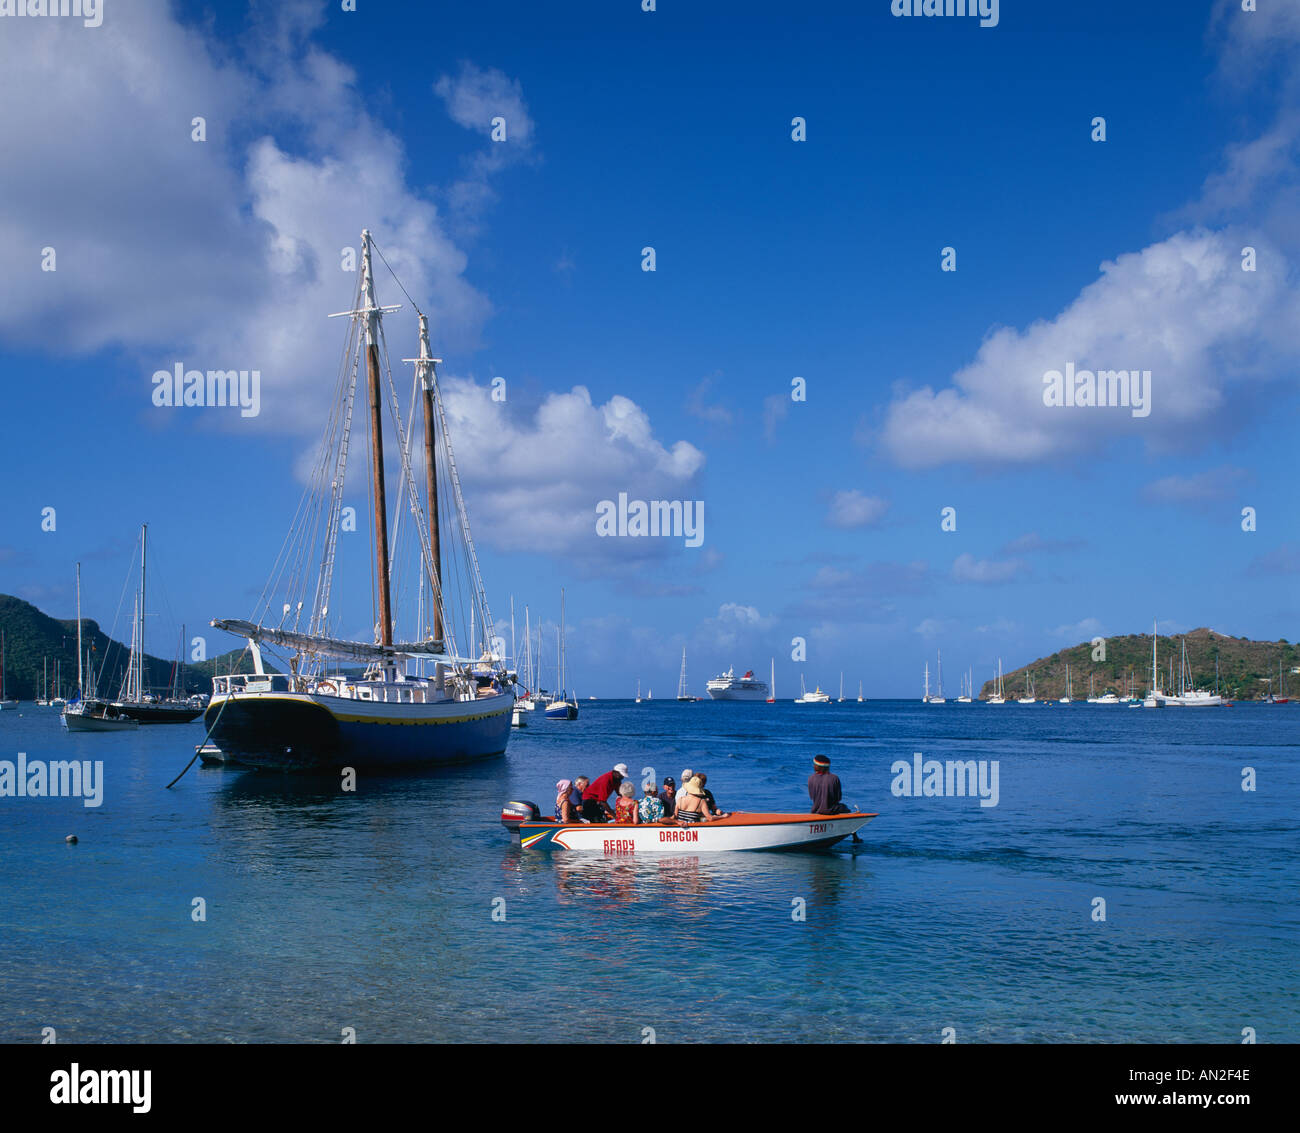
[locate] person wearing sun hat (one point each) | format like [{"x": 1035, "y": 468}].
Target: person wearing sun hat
[
  {"x": 825, "y": 791},
  {"x": 692, "y": 806}
]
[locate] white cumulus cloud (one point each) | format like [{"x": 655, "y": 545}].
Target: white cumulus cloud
[{"x": 1183, "y": 309}]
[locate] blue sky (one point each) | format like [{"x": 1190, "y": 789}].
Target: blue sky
[{"x": 775, "y": 259}]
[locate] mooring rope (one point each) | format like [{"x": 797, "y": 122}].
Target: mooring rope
[{"x": 208, "y": 736}]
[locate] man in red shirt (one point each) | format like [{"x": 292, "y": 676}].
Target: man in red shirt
[{"x": 595, "y": 799}]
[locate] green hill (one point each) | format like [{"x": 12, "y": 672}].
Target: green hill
[
  {"x": 1244, "y": 666},
  {"x": 31, "y": 637}
]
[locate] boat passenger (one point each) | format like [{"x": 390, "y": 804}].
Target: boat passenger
[
  {"x": 651, "y": 807},
  {"x": 692, "y": 806},
  {"x": 565, "y": 811},
  {"x": 625, "y": 810},
  {"x": 579, "y": 785},
  {"x": 668, "y": 796},
  {"x": 825, "y": 791},
  {"x": 595, "y": 799},
  {"x": 708, "y": 796}
]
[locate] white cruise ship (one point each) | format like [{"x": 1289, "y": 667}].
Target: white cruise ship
[{"x": 731, "y": 687}]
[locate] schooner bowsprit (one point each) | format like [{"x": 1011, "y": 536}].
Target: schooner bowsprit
[{"x": 376, "y": 715}]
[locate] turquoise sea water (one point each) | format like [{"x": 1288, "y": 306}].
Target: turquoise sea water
[{"x": 374, "y": 910}]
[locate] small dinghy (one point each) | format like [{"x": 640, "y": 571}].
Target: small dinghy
[{"x": 736, "y": 832}]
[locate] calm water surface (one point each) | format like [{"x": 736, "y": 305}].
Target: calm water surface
[{"x": 374, "y": 910}]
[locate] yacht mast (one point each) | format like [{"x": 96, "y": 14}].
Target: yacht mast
[
  {"x": 426, "y": 368},
  {"x": 371, "y": 312},
  {"x": 80, "y": 685},
  {"x": 1155, "y": 680},
  {"x": 564, "y": 690}
]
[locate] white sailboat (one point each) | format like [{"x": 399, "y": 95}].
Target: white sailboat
[
  {"x": 638, "y": 690},
  {"x": 527, "y": 701},
  {"x": 318, "y": 717},
  {"x": 1029, "y": 697},
  {"x": 925, "y": 696},
  {"x": 938, "y": 698},
  {"x": 1188, "y": 695},
  {"x": 967, "y": 694},
  {"x": 841, "y": 699},
  {"x": 681, "y": 681},
  {"x": 859, "y": 692},
  {"x": 1154, "y": 698},
  {"x": 562, "y": 707},
  {"x": 771, "y": 688},
  {"x": 1069, "y": 689},
  {"x": 998, "y": 696}
]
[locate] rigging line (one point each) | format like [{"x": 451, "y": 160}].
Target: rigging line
[
  {"x": 395, "y": 279},
  {"x": 210, "y": 731}
]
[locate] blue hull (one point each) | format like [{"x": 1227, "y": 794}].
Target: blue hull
[
  {"x": 561, "y": 712},
  {"x": 297, "y": 734}
]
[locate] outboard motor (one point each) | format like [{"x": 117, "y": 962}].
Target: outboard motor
[{"x": 513, "y": 813}]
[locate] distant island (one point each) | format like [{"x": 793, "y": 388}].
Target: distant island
[
  {"x": 1245, "y": 667},
  {"x": 33, "y": 638}
]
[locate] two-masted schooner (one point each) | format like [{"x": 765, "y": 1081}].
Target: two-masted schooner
[{"x": 377, "y": 714}]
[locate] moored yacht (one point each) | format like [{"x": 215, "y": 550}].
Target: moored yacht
[
  {"x": 1154, "y": 698},
  {"x": 388, "y": 718},
  {"x": 88, "y": 712},
  {"x": 1188, "y": 696},
  {"x": 817, "y": 697},
  {"x": 999, "y": 694},
  {"x": 938, "y": 698}
]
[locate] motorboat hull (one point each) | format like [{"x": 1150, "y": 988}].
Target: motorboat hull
[
  {"x": 737, "y": 833},
  {"x": 311, "y": 731}
]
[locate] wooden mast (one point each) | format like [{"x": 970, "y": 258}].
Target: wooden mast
[
  {"x": 371, "y": 311},
  {"x": 428, "y": 379}
]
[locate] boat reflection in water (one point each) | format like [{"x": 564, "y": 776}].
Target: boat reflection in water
[{"x": 694, "y": 886}]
